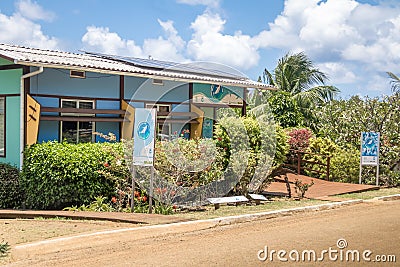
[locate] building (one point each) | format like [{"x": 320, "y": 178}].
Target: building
[{"x": 53, "y": 95}]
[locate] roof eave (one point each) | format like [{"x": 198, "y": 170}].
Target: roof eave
[{"x": 151, "y": 76}]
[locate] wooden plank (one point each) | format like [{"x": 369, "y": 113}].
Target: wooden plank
[
  {"x": 33, "y": 118},
  {"x": 196, "y": 129},
  {"x": 192, "y": 115},
  {"x": 11, "y": 67},
  {"x": 314, "y": 162},
  {"x": 128, "y": 124},
  {"x": 221, "y": 200},
  {"x": 83, "y": 119},
  {"x": 217, "y": 201},
  {"x": 176, "y": 121},
  {"x": 258, "y": 198},
  {"x": 84, "y": 110}
]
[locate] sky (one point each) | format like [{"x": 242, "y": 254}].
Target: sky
[{"x": 354, "y": 42}]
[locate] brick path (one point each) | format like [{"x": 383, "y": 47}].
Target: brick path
[{"x": 320, "y": 190}]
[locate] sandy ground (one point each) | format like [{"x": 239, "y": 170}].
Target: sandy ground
[{"x": 374, "y": 226}]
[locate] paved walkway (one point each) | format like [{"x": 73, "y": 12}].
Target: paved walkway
[
  {"x": 137, "y": 218},
  {"x": 320, "y": 190}
]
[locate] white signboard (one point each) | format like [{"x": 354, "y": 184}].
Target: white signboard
[
  {"x": 370, "y": 148},
  {"x": 143, "y": 137}
]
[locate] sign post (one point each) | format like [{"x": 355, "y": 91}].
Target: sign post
[
  {"x": 143, "y": 145},
  {"x": 370, "y": 152}
]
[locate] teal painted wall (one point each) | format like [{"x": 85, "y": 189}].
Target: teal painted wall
[
  {"x": 10, "y": 84},
  {"x": 12, "y": 131},
  {"x": 9, "y": 79}
]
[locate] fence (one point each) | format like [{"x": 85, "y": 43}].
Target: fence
[{"x": 296, "y": 162}]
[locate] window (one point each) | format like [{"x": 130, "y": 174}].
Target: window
[
  {"x": 77, "y": 131},
  {"x": 158, "y": 82},
  {"x": 2, "y": 126},
  {"x": 163, "y": 129},
  {"x": 77, "y": 74}
]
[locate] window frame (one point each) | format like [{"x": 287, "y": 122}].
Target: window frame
[
  {"x": 77, "y": 101},
  {"x": 155, "y": 105}
]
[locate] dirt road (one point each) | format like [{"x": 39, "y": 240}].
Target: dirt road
[{"x": 371, "y": 226}]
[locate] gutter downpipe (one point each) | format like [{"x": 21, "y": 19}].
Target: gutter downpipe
[{"x": 22, "y": 113}]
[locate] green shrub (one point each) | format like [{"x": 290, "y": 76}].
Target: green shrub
[
  {"x": 266, "y": 148},
  {"x": 56, "y": 175},
  {"x": 10, "y": 193},
  {"x": 4, "y": 249},
  {"x": 189, "y": 163},
  {"x": 285, "y": 109},
  {"x": 301, "y": 188},
  {"x": 344, "y": 162}
]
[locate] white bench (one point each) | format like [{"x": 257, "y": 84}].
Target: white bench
[
  {"x": 217, "y": 201},
  {"x": 258, "y": 198}
]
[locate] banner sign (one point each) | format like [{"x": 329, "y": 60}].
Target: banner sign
[
  {"x": 143, "y": 136},
  {"x": 370, "y": 148},
  {"x": 217, "y": 94}
]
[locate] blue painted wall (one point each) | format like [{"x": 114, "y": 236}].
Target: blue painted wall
[
  {"x": 97, "y": 85},
  {"x": 105, "y": 128},
  {"x": 49, "y": 131},
  {"x": 144, "y": 89},
  {"x": 105, "y": 104},
  {"x": 58, "y": 82}
]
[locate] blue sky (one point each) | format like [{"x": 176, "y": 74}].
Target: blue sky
[{"x": 353, "y": 42}]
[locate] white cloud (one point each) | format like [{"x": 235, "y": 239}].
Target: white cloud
[
  {"x": 336, "y": 29},
  {"x": 349, "y": 40},
  {"x": 31, "y": 10},
  {"x": 377, "y": 83},
  {"x": 338, "y": 72},
  {"x": 100, "y": 39},
  {"x": 170, "y": 48},
  {"x": 16, "y": 29},
  {"x": 209, "y": 43}
]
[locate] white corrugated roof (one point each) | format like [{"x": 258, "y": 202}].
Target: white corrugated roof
[{"x": 90, "y": 62}]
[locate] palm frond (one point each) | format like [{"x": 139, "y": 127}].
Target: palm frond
[
  {"x": 317, "y": 95},
  {"x": 395, "y": 82}
]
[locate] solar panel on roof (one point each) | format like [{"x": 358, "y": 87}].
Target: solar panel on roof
[{"x": 200, "y": 68}]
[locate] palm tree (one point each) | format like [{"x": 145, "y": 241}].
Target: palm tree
[
  {"x": 395, "y": 82},
  {"x": 297, "y": 75}
]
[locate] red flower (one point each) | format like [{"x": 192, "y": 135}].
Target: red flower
[
  {"x": 174, "y": 207},
  {"x": 106, "y": 165},
  {"x": 219, "y": 139},
  {"x": 144, "y": 198},
  {"x": 113, "y": 199}
]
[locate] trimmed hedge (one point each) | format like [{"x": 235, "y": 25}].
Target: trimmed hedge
[
  {"x": 10, "y": 193},
  {"x": 57, "y": 175}
]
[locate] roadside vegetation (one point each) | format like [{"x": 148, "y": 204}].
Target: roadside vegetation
[{"x": 304, "y": 115}]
